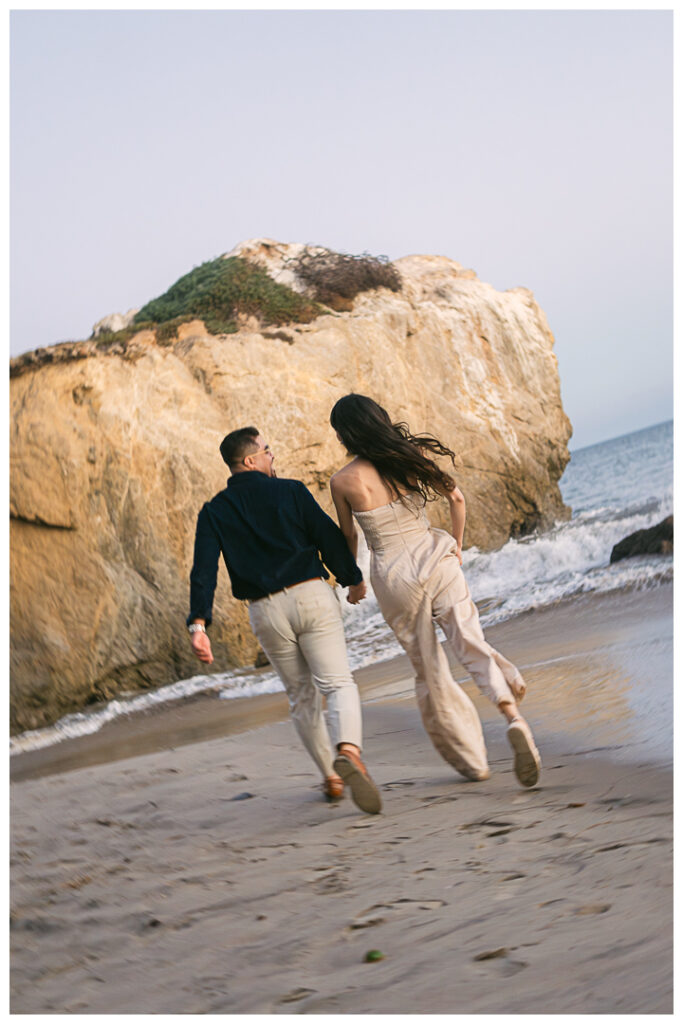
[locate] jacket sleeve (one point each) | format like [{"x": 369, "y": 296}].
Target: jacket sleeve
[
  {"x": 328, "y": 539},
  {"x": 204, "y": 569}
]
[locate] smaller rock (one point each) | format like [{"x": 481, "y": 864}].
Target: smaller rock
[{"x": 658, "y": 540}]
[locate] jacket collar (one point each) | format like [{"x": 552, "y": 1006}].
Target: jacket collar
[{"x": 238, "y": 479}]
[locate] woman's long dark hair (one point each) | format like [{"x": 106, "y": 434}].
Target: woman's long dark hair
[{"x": 366, "y": 430}]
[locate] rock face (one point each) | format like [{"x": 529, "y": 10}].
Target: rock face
[
  {"x": 114, "y": 451},
  {"x": 658, "y": 540}
]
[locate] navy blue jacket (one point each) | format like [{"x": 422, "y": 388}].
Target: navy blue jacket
[{"x": 272, "y": 534}]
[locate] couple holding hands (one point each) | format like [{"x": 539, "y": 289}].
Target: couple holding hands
[{"x": 276, "y": 541}]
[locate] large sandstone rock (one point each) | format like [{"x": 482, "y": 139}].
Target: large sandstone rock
[{"x": 115, "y": 449}]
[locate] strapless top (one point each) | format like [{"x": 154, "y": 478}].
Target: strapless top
[{"x": 401, "y": 538}]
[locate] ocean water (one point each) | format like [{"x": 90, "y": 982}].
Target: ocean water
[{"x": 613, "y": 488}]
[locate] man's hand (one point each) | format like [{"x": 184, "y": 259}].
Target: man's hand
[
  {"x": 201, "y": 645},
  {"x": 357, "y": 592}
]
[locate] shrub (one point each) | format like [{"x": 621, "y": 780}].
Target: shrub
[
  {"x": 220, "y": 290},
  {"x": 217, "y": 291},
  {"x": 334, "y": 275},
  {"x": 167, "y": 331},
  {"x": 106, "y": 338}
]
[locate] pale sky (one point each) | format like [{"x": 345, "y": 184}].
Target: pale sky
[{"x": 533, "y": 146}]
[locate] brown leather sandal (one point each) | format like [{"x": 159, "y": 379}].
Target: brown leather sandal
[
  {"x": 333, "y": 788},
  {"x": 364, "y": 792}
]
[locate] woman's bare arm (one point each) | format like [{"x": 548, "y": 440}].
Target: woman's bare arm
[
  {"x": 344, "y": 515},
  {"x": 456, "y": 505},
  {"x": 348, "y": 528}
]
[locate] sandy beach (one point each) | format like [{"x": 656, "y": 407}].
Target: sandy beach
[{"x": 183, "y": 861}]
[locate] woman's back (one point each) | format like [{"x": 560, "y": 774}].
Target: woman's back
[
  {"x": 405, "y": 549},
  {"x": 363, "y": 487}
]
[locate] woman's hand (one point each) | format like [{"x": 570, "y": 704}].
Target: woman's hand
[
  {"x": 357, "y": 592},
  {"x": 458, "y": 552}
]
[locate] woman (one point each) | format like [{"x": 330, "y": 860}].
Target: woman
[{"x": 416, "y": 576}]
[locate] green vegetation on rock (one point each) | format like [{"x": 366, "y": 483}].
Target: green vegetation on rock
[
  {"x": 107, "y": 338},
  {"x": 221, "y": 289}
]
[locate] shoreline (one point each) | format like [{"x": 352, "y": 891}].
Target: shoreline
[{"x": 534, "y": 640}]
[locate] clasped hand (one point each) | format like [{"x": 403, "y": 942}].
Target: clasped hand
[
  {"x": 357, "y": 592},
  {"x": 201, "y": 645}
]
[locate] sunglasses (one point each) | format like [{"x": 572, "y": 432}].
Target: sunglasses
[{"x": 266, "y": 448}]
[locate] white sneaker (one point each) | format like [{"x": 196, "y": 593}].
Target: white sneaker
[{"x": 527, "y": 757}]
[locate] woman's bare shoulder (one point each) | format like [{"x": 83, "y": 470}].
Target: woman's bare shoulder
[
  {"x": 354, "y": 477},
  {"x": 351, "y": 469},
  {"x": 343, "y": 478},
  {"x": 342, "y": 473}
]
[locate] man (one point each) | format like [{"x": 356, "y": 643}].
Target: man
[{"x": 274, "y": 538}]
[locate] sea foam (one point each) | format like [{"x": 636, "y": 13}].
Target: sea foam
[{"x": 532, "y": 572}]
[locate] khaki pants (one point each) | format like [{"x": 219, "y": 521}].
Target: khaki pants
[
  {"x": 301, "y": 631},
  {"x": 448, "y": 714}
]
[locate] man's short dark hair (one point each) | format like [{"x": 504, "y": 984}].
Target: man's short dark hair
[{"x": 237, "y": 444}]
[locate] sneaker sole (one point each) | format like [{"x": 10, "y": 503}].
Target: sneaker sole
[
  {"x": 527, "y": 760},
  {"x": 364, "y": 792}
]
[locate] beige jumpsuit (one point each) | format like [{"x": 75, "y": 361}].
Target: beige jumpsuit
[{"x": 416, "y": 577}]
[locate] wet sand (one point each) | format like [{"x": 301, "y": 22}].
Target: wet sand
[
  {"x": 580, "y": 660},
  {"x": 210, "y": 877}
]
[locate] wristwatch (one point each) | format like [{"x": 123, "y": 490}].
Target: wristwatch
[{"x": 196, "y": 627}]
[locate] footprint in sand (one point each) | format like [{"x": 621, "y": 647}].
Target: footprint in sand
[
  {"x": 296, "y": 994},
  {"x": 335, "y": 881},
  {"x": 498, "y": 962},
  {"x": 513, "y": 883},
  {"x": 501, "y": 828},
  {"x": 381, "y": 912}
]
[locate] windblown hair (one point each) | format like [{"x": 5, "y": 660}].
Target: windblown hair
[
  {"x": 237, "y": 444},
  {"x": 399, "y": 457}
]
